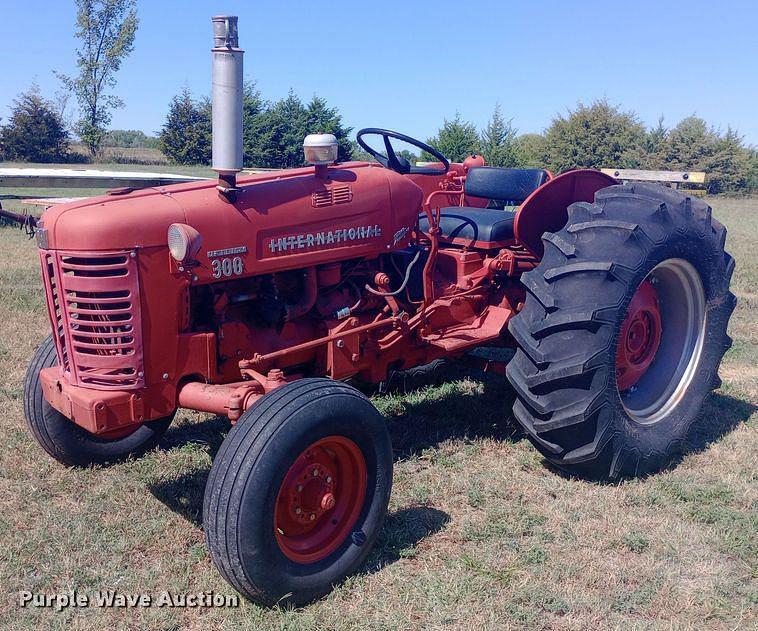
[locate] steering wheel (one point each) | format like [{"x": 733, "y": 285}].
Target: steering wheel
[{"x": 397, "y": 162}]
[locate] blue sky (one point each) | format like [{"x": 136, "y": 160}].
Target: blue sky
[{"x": 407, "y": 65}]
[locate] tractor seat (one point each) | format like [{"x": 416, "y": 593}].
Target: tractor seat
[
  {"x": 479, "y": 227},
  {"x": 487, "y": 227}
]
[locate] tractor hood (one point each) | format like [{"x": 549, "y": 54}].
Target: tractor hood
[{"x": 358, "y": 208}]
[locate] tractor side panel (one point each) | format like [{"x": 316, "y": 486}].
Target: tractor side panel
[{"x": 297, "y": 222}]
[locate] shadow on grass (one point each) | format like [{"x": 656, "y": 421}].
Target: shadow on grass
[
  {"x": 403, "y": 530},
  {"x": 480, "y": 407},
  {"x": 184, "y": 495},
  {"x": 721, "y": 414},
  {"x": 416, "y": 421},
  {"x": 210, "y": 431}
]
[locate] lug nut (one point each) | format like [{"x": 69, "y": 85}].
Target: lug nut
[
  {"x": 315, "y": 473},
  {"x": 298, "y": 510},
  {"x": 299, "y": 488},
  {"x": 313, "y": 516},
  {"x": 327, "y": 501},
  {"x": 328, "y": 478}
]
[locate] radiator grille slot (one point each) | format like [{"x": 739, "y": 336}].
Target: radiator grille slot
[
  {"x": 54, "y": 307},
  {"x": 94, "y": 299},
  {"x": 94, "y": 267},
  {"x": 331, "y": 196}
]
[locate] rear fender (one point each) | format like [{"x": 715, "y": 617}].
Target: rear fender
[{"x": 545, "y": 210}]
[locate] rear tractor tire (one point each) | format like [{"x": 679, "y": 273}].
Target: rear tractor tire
[
  {"x": 298, "y": 492},
  {"x": 622, "y": 331},
  {"x": 63, "y": 439}
]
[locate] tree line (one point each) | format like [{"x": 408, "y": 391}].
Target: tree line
[
  {"x": 601, "y": 135},
  {"x": 273, "y": 131},
  {"x": 597, "y": 135}
]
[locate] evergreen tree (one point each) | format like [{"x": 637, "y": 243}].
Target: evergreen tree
[
  {"x": 651, "y": 152},
  {"x": 456, "y": 140},
  {"x": 254, "y": 129},
  {"x": 498, "y": 141},
  {"x": 729, "y": 165},
  {"x": 186, "y": 135},
  {"x": 282, "y": 144},
  {"x": 690, "y": 145},
  {"x": 594, "y": 136},
  {"x": 751, "y": 178},
  {"x": 694, "y": 146},
  {"x": 322, "y": 118},
  {"x": 35, "y": 131},
  {"x": 530, "y": 151}
]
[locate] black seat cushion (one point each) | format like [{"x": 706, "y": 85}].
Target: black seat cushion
[
  {"x": 504, "y": 186},
  {"x": 488, "y": 225}
]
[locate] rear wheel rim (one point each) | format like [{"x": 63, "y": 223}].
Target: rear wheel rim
[
  {"x": 320, "y": 499},
  {"x": 669, "y": 349}
]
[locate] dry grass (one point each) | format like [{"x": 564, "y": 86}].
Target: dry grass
[
  {"x": 128, "y": 155},
  {"x": 481, "y": 534}
]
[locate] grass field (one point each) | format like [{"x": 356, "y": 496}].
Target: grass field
[{"x": 481, "y": 533}]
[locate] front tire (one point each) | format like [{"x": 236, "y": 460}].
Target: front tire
[
  {"x": 298, "y": 492},
  {"x": 622, "y": 331},
  {"x": 63, "y": 439}
]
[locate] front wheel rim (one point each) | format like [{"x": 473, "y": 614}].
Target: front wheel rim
[
  {"x": 680, "y": 337},
  {"x": 320, "y": 499}
]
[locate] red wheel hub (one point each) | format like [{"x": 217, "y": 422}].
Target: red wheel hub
[
  {"x": 639, "y": 337},
  {"x": 320, "y": 499}
]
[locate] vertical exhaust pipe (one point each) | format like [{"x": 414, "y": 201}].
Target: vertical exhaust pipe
[{"x": 227, "y": 104}]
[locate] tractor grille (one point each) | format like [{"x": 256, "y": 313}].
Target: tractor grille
[
  {"x": 330, "y": 196},
  {"x": 93, "y": 302}
]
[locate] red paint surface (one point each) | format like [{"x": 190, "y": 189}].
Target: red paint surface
[
  {"x": 639, "y": 337},
  {"x": 280, "y": 228},
  {"x": 545, "y": 210},
  {"x": 320, "y": 499}
]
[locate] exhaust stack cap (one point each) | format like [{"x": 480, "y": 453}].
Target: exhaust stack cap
[
  {"x": 225, "y": 33},
  {"x": 227, "y": 98},
  {"x": 320, "y": 149}
]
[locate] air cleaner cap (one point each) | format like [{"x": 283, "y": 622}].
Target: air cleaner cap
[{"x": 320, "y": 148}]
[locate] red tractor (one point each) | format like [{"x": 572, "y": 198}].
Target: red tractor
[{"x": 259, "y": 297}]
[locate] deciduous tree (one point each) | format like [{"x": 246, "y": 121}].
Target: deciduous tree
[{"x": 106, "y": 31}]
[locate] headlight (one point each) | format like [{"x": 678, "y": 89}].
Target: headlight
[
  {"x": 184, "y": 242},
  {"x": 320, "y": 148}
]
